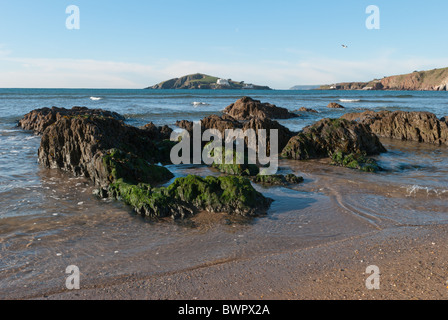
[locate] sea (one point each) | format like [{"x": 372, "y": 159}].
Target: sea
[{"x": 50, "y": 220}]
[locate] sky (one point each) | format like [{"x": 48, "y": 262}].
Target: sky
[{"x": 135, "y": 44}]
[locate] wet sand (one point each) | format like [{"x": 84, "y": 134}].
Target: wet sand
[{"x": 412, "y": 261}]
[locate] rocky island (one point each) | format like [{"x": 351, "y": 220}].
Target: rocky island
[
  {"x": 432, "y": 80},
  {"x": 203, "y": 81}
]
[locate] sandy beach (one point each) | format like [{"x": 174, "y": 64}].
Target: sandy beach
[{"x": 412, "y": 261}]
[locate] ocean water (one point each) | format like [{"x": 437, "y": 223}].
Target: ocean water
[{"x": 50, "y": 220}]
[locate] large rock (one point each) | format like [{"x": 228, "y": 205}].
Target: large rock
[
  {"x": 158, "y": 133},
  {"x": 328, "y": 136},
  {"x": 189, "y": 195},
  {"x": 246, "y": 108},
  {"x": 79, "y": 145},
  {"x": 38, "y": 120},
  {"x": 284, "y": 134},
  {"x": 120, "y": 159},
  {"x": 226, "y": 122},
  {"x": 412, "y": 126}
]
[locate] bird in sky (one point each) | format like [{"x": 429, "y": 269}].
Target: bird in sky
[{"x": 344, "y": 46}]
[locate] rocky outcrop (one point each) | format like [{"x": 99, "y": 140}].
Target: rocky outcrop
[
  {"x": 402, "y": 125},
  {"x": 187, "y": 196},
  {"x": 328, "y": 136},
  {"x": 79, "y": 145},
  {"x": 334, "y": 105},
  {"x": 226, "y": 122},
  {"x": 120, "y": 159},
  {"x": 247, "y": 108},
  {"x": 432, "y": 80},
  {"x": 157, "y": 133},
  {"x": 40, "y": 119}
]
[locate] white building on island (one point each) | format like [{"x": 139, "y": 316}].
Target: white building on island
[{"x": 223, "y": 82}]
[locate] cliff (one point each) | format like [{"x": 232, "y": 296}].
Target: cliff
[
  {"x": 432, "y": 80},
  {"x": 203, "y": 81}
]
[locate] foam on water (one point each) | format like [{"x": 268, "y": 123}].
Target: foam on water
[{"x": 429, "y": 191}]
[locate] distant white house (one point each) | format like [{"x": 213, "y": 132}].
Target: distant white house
[{"x": 223, "y": 82}]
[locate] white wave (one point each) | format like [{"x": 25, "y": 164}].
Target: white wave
[
  {"x": 197, "y": 104},
  {"x": 349, "y": 100},
  {"x": 415, "y": 189},
  {"x": 95, "y": 98}
]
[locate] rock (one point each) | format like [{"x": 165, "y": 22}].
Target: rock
[
  {"x": 284, "y": 134},
  {"x": 402, "y": 125},
  {"x": 119, "y": 158},
  {"x": 240, "y": 165},
  {"x": 334, "y": 105},
  {"x": 186, "y": 196},
  {"x": 355, "y": 161},
  {"x": 303, "y": 109},
  {"x": 328, "y": 136},
  {"x": 132, "y": 169},
  {"x": 79, "y": 144},
  {"x": 158, "y": 133},
  {"x": 246, "y": 108},
  {"x": 220, "y": 123},
  {"x": 277, "y": 180},
  {"x": 226, "y": 122},
  {"x": 38, "y": 120}
]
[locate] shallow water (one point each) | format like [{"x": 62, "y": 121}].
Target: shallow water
[{"x": 50, "y": 219}]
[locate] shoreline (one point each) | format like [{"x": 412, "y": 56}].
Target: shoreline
[
  {"x": 412, "y": 262},
  {"x": 332, "y": 265}
]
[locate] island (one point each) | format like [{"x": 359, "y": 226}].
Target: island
[
  {"x": 203, "y": 81},
  {"x": 432, "y": 80}
]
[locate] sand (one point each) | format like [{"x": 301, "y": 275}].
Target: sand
[{"x": 412, "y": 262}]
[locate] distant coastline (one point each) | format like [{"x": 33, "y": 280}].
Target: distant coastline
[{"x": 432, "y": 80}]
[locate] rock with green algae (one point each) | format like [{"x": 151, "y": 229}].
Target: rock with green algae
[
  {"x": 251, "y": 171},
  {"x": 236, "y": 168},
  {"x": 277, "y": 179},
  {"x": 357, "y": 161},
  {"x": 132, "y": 169},
  {"x": 77, "y": 144},
  {"x": 189, "y": 195},
  {"x": 239, "y": 166}
]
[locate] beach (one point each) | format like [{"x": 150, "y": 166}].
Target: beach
[
  {"x": 315, "y": 242},
  {"x": 412, "y": 261}
]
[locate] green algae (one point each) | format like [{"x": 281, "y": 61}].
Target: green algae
[
  {"x": 186, "y": 196},
  {"x": 277, "y": 180},
  {"x": 357, "y": 161},
  {"x": 132, "y": 169}
]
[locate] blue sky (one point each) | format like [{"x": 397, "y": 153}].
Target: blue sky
[{"x": 281, "y": 43}]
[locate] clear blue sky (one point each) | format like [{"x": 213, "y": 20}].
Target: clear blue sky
[{"x": 133, "y": 44}]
